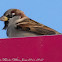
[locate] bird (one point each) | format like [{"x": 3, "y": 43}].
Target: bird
[{"x": 18, "y": 24}]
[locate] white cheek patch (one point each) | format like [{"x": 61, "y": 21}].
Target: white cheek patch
[{"x": 15, "y": 20}]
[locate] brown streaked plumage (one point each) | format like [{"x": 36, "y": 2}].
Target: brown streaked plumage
[
  {"x": 26, "y": 24},
  {"x": 36, "y": 27}
]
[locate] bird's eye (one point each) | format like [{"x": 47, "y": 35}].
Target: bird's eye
[{"x": 11, "y": 15}]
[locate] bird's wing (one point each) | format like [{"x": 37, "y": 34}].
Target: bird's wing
[{"x": 33, "y": 26}]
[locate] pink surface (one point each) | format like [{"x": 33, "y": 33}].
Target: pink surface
[{"x": 32, "y": 49}]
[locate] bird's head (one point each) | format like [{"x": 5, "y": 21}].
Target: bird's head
[{"x": 11, "y": 13}]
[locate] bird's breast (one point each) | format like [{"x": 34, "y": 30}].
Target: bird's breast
[{"x": 13, "y": 32}]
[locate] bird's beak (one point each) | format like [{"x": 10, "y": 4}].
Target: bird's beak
[{"x": 4, "y": 18}]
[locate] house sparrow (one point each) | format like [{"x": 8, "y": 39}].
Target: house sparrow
[{"x": 19, "y": 25}]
